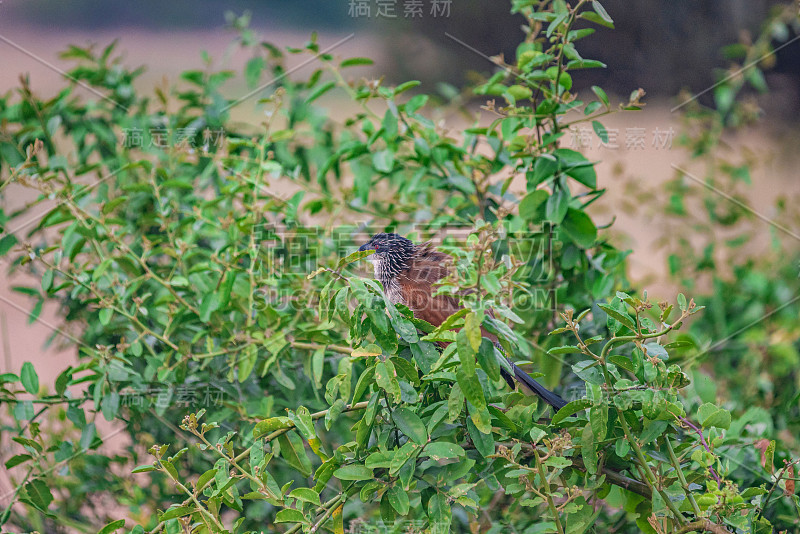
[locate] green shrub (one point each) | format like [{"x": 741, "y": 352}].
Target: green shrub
[{"x": 265, "y": 385}]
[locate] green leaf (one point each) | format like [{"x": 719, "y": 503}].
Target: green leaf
[
  {"x": 472, "y": 389},
  {"x": 356, "y": 61},
  {"x": 465, "y": 352},
  {"x": 529, "y": 206},
  {"x": 484, "y": 443},
  {"x": 600, "y": 94},
  {"x": 109, "y": 206},
  {"x": 6, "y": 242},
  {"x": 320, "y": 90},
  {"x": 710, "y": 415},
  {"x": 270, "y": 425},
  {"x": 472, "y": 327},
  {"x": 575, "y": 165},
  {"x": 47, "y": 280},
  {"x": 110, "y": 405},
  {"x": 557, "y": 205},
  {"x": 383, "y": 161},
  {"x": 652, "y": 430},
  {"x": 439, "y": 513},
  {"x": 18, "y": 459},
  {"x": 302, "y": 420},
  {"x": 354, "y": 257},
  {"x": 403, "y": 455},
  {"x": 544, "y": 167},
  {"x": 406, "y": 86},
  {"x": 364, "y": 382},
  {"x": 589, "y": 450},
  {"x": 36, "y": 311},
  {"x": 39, "y": 494},
  {"x": 564, "y": 349},
  {"x": 487, "y": 358},
  {"x": 290, "y": 515},
  {"x": 769, "y": 457},
  {"x": 178, "y": 511},
  {"x": 600, "y": 10},
  {"x": 558, "y": 462},
  {"x": 425, "y": 354},
  {"x": 209, "y": 475},
  {"x": 600, "y": 130},
  {"x": 598, "y": 417},
  {"x": 386, "y": 379},
  {"x": 305, "y": 495},
  {"x": 353, "y": 472},
  {"x": 294, "y": 452},
  {"x": 105, "y": 316},
  {"x": 597, "y": 19},
  {"x": 379, "y": 459},
  {"x": 570, "y": 409},
  {"x": 622, "y": 447},
  {"x": 398, "y": 498},
  {"x": 443, "y": 449},
  {"x": 112, "y": 527},
  {"x": 410, "y": 424},
  {"x": 147, "y": 468},
  {"x": 623, "y": 318},
  {"x": 209, "y": 305},
  {"x": 253, "y": 69},
  {"x": 29, "y": 378},
  {"x": 580, "y": 228}
]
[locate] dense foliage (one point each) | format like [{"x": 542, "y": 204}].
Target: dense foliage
[{"x": 264, "y": 381}]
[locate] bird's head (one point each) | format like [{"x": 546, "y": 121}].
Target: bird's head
[{"x": 391, "y": 256}]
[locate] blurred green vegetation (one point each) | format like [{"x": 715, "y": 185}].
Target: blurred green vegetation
[{"x": 180, "y": 15}]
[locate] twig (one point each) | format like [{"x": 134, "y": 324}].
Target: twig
[
  {"x": 704, "y": 525},
  {"x": 550, "y": 503},
  {"x": 676, "y": 463},
  {"x": 703, "y": 441}
]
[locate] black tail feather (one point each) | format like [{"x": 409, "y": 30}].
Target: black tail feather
[{"x": 524, "y": 379}]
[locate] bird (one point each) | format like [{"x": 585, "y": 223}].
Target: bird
[{"x": 408, "y": 272}]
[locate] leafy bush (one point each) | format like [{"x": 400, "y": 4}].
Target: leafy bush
[{"x": 265, "y": 384}]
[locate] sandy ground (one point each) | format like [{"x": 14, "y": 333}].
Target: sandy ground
[{"x": 628, "y": 171}]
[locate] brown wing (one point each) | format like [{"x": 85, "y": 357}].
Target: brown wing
[
  {"x": 416, "y": 285},
  {"x": 427, "y": 267}
]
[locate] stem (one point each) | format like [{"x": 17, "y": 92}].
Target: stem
[
  {"x": 649, "y": 476},
  {"x": 314, "y": 417},
  {"x": 314, "y": 346},
  {"x": 548, "y": 497},
  {"x": 625, "y": 339},
  {"x": 783, "y": 471},
  {"x": 560, "y": 60},
  {"x": 705, "y": 445},
  {"x": 618, "y": 479},
  {"x": 682, "y": 478},
  {"x": 703, "y": 525},
  {"x": 336, "y": 503},
  {"x": 200, "y": 508},
  {"x": 239, "y": 468}
]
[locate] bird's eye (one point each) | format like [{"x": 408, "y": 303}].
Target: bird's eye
[{"x": 377, "y": 247}]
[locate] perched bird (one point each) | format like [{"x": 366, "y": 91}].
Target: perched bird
[{"x": 408, "y": 273}]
